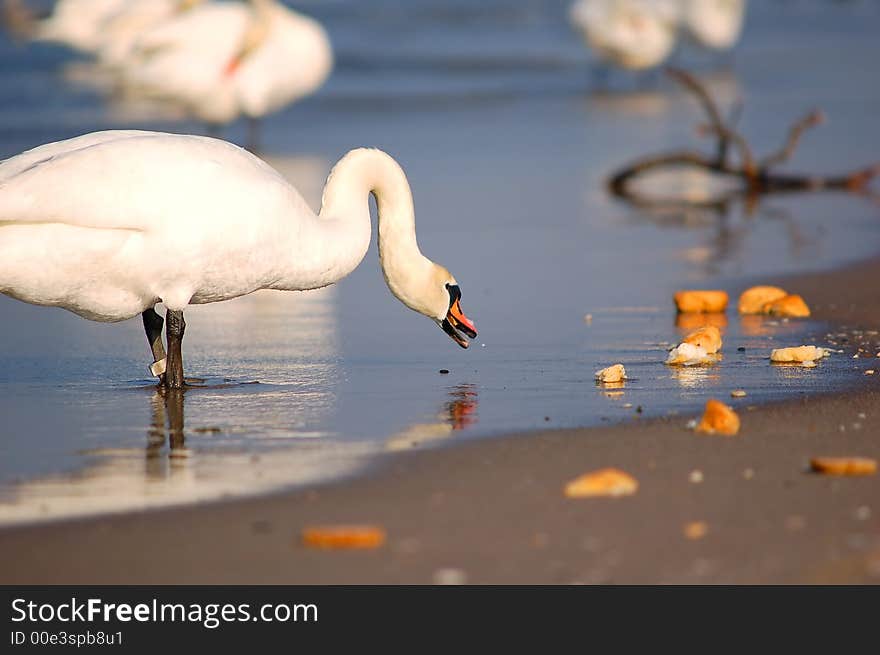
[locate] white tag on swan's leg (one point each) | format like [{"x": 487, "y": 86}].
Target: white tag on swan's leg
[{"x": 158, "y": 368}]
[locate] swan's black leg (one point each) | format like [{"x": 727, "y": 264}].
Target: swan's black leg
[
  {"x": 153, "y": 327},
  {"x": 176, "y": 326},
  {"x": 253, "y": 135}
]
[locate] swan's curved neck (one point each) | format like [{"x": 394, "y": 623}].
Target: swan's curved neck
[
  {"x": 345, "y": 206},
  {"x": 262, "y": 14}
]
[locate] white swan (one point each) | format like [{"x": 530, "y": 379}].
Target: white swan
[
  {"x": 109, "y": 224},
  {"x": 225, "y": 60},
  {"x": 631, "y": 34},
  {"x": 714, "y": 24}
]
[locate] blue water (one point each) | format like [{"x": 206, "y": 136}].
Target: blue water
[{"x": 489, "y": 108}]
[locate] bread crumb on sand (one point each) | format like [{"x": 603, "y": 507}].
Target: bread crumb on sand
[
  {"x": 708, "y": 338},
  {"x": 686, "y": 354},
  {"x": 609, "y": 482},
  {"x": 695, "y": 530},
  {"x": 700, "y": 301},
  {"x": 806, "y": 355},
  {"x": 844, "y": 465},
  {"x": 789, "y": 306},
  {"x": 753, "y": 300},
  {"x": 343, "y": 536},
  {"x": 614, "y": 373},
  {"x": 718, "y": 418}
]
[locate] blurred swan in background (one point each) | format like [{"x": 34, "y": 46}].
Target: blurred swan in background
[
  {"x": 714, "y": 24},
  {"x": 630, "y": 34},
  {"x": 74, "y": 23},
  {"x": 121, "y": 29},
  {"x": 226, "y": 60}
]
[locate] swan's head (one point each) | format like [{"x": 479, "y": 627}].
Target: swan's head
[{"x": 444, "y": 303}]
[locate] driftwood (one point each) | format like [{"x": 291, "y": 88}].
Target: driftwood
[{"x": 757, "y": 176}]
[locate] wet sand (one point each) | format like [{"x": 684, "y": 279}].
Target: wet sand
[{"x": 493, "y": 511}]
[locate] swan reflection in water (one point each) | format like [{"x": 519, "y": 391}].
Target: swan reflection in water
[
  {"x": 181, "y": 464},
  {"x": 458, "y": 412},
  {"x": 166, "y": 426}
]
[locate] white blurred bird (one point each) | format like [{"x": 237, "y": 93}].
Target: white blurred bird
[
  {"x": 631, "y": 34},
  {"x": 74, "y": 23},
  {"x": 121, "y": 29},
  {"x": 223, "y": 60},
  {"x": 714, "y": 24}
]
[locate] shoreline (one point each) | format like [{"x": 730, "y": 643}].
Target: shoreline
[{"x": 493, "y": 510}]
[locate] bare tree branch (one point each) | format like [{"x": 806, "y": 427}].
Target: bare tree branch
[
  {"x": 812, "y": 119},
  {"x": 755, "y": 174},
  {"x": 728, "y": 136},
  {"x": 716, "y": 122}
]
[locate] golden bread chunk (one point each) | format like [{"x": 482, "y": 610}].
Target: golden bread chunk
[
  {"x": 718, "y": 418},
  {"x": 844, "y": 465},
  {"x": 701, "y": 301},
  {"x": 604, "y": 482},
  {"x": 707, "y": 338},
  {"x": 752, "y": 300},
  {"x": 614, "y": 373},
  {"x": 792, "y": 306}
]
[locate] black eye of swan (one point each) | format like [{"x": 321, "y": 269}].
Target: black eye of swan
[{"x": 454, "y": 293}]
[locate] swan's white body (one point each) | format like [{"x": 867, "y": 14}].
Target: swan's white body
[
  {"x": 631, "y": 34},
  {"x": 77, "y": 23},
  {"x": 108, "y": 224},
  {"x": 714, "y": 24},
  {"x": 224, "y": 60}
]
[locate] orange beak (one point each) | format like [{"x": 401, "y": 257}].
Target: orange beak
[
  {"x": 460, "y": 321},
  {"x": 456, "y": 323}
]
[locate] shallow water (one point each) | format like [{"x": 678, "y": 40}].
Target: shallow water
[{"x": 490, "y": 112}]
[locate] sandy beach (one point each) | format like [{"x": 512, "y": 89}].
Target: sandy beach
[{"x": 493, "y": 511}]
